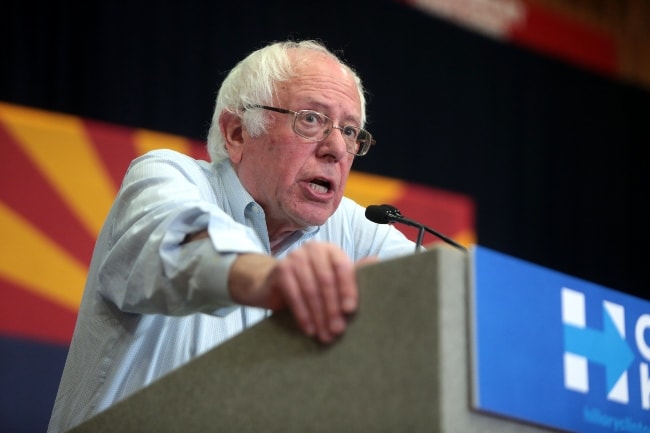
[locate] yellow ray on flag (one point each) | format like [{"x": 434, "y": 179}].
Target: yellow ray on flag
[
  {"x": 59, "y": 147},
  {"x": 146, "y": 140},
  {"x": 367, "y": 189},
  {"x": 32, "y": 260}
]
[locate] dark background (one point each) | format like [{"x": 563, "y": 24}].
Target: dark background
[{"x": 551, "y": 154}]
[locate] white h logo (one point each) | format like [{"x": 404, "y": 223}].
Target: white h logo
[{"x": 607, "y": 347}]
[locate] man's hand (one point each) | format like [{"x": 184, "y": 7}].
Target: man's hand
[{"x": 316, "y": 282}]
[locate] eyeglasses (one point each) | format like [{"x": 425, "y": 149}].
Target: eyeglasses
[{"x": 315, "y": 126}]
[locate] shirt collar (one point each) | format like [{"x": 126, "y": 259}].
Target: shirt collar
[
  {"x": 238, "y": 198},
  {"x": 241, "y": 201}
]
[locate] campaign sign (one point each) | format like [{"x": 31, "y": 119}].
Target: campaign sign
[{"x": 557, "y": 351}]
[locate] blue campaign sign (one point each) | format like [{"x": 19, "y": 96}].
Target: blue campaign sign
[{"x": 557, "y": 351}]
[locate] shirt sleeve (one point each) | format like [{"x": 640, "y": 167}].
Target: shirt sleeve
[
  {"x": 199, "y": 267},
  {"x": 145, "y": 267}
]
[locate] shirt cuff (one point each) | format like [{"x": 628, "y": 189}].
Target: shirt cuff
[{"x": 210, "y": 278}]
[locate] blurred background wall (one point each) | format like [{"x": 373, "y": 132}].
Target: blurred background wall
[{"x": 627, "y": 22}]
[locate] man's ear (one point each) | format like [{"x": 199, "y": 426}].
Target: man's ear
[{"x": 232, "y": 130}]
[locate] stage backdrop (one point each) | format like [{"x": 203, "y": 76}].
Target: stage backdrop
[
  {"x": 499, "y": 100},
  {"x": 58, "y": 176}
]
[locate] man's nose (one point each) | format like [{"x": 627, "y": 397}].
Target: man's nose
[{"x": 334, "y": 145}]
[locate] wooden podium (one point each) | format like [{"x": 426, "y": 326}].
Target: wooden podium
[{"x": 402, "y": 366}]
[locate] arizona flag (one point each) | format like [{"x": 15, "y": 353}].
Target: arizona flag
[{"x": 58, "y": 175}]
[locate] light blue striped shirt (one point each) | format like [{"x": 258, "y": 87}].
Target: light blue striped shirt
[{"x": 150, "y": 305}]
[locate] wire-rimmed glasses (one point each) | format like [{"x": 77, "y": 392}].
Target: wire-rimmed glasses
[{"x": 315, "y": 126}]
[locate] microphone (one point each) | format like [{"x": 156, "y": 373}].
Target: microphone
[{"x": 387, "y": 214}]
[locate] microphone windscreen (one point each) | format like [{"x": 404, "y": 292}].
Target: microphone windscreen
[
  {"x": 377, "y": 214},
  {"x": 390, "y": 209}
]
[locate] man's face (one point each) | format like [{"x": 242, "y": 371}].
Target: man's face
[{"x": 300, "y": 183}]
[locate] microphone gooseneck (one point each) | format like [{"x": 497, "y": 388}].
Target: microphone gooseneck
[{"x": 387, "y": 214}]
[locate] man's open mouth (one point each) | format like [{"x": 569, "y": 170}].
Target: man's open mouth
[{"x": 320, "y": 185}]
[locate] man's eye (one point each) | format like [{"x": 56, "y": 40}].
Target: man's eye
[
  {"x": 350, "y": 131},
  {"x": 312, "y": 118}
]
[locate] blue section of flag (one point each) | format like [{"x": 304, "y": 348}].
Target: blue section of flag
[
  {"x": 29, "y": 378},
  {"x": 519, "y": 345}
]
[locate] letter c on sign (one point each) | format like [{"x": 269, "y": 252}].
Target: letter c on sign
[{"x": 641, "y": 325}]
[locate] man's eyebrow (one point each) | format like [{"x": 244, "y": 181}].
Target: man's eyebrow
[{"x": 324, "y": 108}]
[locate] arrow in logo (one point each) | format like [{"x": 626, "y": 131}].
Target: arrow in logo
[{"x": 606, "y": 347}]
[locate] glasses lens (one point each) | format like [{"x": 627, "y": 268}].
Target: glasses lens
[
  {"x": 363, "y": 142},
  {"x": 311, "y": 124}
]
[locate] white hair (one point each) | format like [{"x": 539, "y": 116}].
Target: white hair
[{"x": 253, "y": 82}]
